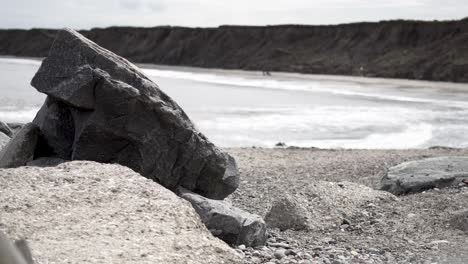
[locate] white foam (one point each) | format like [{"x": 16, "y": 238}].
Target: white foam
[
  {"x": 298, "y": 118},
  {"x": 414, "y": 136},
  {"x": 20, "y": 115},
  {"x": 20, "y": 61}
]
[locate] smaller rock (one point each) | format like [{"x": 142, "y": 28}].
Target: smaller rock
[
  {"x": 237, "y": 227},
  {"x": 420, "y": 175},
  {"x": 411, "y": 215},
  {"x": 280, "y": 253},
  {"x": 20, "y": 149},
  {"x": 241, "y": 247},
  {"x": 279, "y": 245},
  {"x": 5, "y": 129},
  {"x": 280, "y": 144},
  {"x": 438, "y": 242},
  {"x": 459, "y": 220},
  {"x": 287, "y": 213}
]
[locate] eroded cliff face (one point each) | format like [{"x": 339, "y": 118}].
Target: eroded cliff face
[{"x": 394, "y": 49}]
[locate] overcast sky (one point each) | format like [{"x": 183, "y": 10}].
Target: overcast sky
[{"x": 83, "y": 14}]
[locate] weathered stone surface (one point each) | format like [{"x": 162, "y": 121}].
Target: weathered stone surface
[
  {"x": 420, "y": 175},
  {"x": 3, "y": 140},
  {"x": 5, "y": 129},
  {"x": 100, "y": 107},
  {"x": 287, "y": 213},
  {"x": 20, "y": 149},
  {"x": 229, "y": 223},
  {"x": 103, "y": 213},
  {"x": 459, "y": 220}
]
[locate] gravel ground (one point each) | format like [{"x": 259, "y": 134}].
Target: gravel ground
[{"x": 404, "y": 229}]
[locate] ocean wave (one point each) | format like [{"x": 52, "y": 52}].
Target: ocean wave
[
  {"x": 414, "y": 136},
  {"x": 19, "y": 115},
  {"x": 321, "y": 86}
]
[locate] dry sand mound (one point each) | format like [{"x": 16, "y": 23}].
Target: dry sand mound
[
  {"x": 328, "y": 204},
  {"x": 86, "y": 212}
]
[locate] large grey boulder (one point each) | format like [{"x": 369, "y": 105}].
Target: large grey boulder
[
  {"x": 86, "y": 212},
  {"x": 227, "y": 222},
  {"x": 100, "y": 107},
  {"x": 5, "y": 129},
  {"x": 287, "y": 213},
  {"x": 20, "y": 149},
  {"x": 420, "y": 175}
]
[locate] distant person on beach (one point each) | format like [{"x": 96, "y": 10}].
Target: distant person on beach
[{"x": 266, "y": 73}]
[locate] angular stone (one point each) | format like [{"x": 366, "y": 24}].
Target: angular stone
[
  {"x": 5, "y": 129},
  {"x": 231, "y": 224},
  {"x": 287, "y": 213},
  {"x": 419, "y": 175},
  {"x": 101, "y": 107},
  {"x": 20, "y": 149}
]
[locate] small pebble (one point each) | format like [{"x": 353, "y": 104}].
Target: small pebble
[{"x": 280, "y": 253}]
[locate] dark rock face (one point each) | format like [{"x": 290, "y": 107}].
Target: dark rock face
[
  {"x": 20, "y": 149},
  {"x": 420, "y": 175},
  {"x": 393, "y": 49},
  {"x": 102, "y": 108},
  {"x": 230, "y": 224}
]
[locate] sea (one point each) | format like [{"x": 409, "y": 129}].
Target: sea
[{"x": 236, "y": 108}]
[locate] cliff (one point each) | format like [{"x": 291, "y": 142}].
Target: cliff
[{"x": 395, "y": 49}]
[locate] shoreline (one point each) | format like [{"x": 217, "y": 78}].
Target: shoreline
[{"x": 366, "y": 80}]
